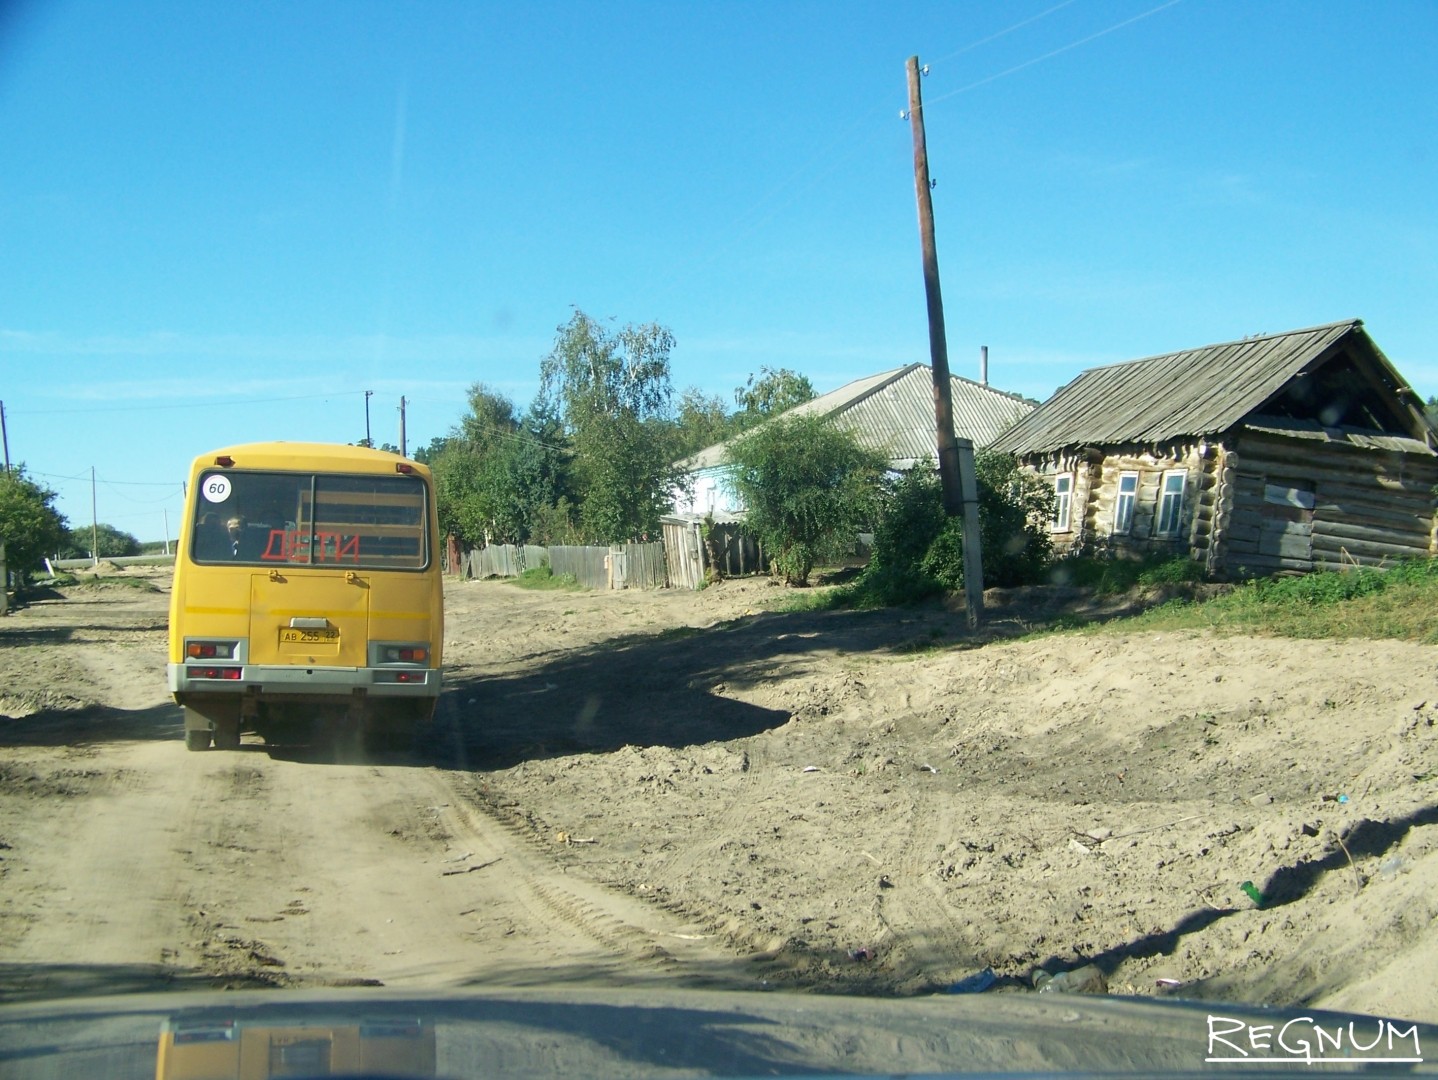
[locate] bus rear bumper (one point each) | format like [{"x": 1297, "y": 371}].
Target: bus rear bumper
[{"x": 262, "y": 679}]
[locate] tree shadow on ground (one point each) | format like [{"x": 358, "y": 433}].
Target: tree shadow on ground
[
  {"x": 687, "y": 686},
  {"x": 41, "y": 982},
  {"x": 681, "y": 687},
  {"x": 92, "y": 725},
  {"x": 15, "y": 637},
  {"x": 1031, "y": 609},
  {"x": 1286, "y": 885}
]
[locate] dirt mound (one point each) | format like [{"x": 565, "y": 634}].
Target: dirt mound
[{"x": 24, "y": 702}]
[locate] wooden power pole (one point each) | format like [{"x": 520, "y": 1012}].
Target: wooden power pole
[{"x": 956, "y": 456}]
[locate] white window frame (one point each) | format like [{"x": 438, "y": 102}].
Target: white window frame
[
  {"x": 1124, "y": 503},
  {"x": 1063, "y": 502},
  {"x": 1168, "y": 521}
]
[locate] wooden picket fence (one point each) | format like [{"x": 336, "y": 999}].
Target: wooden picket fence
[
  {"x": 736, "y": 551},
  {"x": 618, "y": 566}
]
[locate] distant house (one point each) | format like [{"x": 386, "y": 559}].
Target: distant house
[
  {"x": 892, "y": 412},
  {"x": 1295, "y": 451}
]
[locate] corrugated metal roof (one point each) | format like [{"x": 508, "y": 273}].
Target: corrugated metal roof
[
  {"x": 897, "y": 416},
  {"x": 893, "y": 411},
  {"x": 1194, "y": 392}
]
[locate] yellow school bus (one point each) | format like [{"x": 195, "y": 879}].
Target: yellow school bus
[{"x": 307, "y": 591}]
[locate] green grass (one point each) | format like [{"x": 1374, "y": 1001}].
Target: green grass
[
  {"x": 812, "y": 600},
  {"x": 1399, "y": 603},
  {"x": 896, "y": 587},
  {"x": 542, "y": 577},
  {"x": 879, "y": 589},
  {"x": 1107, "y": 577}
]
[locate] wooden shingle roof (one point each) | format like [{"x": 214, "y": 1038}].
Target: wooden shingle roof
[{"x": 1191, "y": 393}]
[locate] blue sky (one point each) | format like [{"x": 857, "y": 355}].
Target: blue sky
[{"x": 224, "y": 222}]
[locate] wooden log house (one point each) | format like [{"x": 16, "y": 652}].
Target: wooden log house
[{"x": 1285, "y": 452}]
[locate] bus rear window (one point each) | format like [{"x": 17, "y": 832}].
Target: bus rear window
[{"x": 342, "y": 520}]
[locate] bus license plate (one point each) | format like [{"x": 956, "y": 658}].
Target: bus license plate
[{"x": 310, "y": 637}]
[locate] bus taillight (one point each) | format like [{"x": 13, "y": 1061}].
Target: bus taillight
[
  {"x": 196, "y": 672},
  {"x": 404, "y": 654},
  {"x": 210, "y": 650}
]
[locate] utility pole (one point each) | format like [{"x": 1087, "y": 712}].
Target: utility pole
[
  {"x": 402, "y": 452},
  {"x": 956, "y": 463},
  {"x": 94, "y": 523},
  {"x": 938, "y": 343},
  {"x": 4, "y": 436},
  {"x": 367, "y": 440}
]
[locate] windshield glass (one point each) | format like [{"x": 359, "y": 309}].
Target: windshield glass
[
  {"x": 375, "y": 522},
  {"x": 894, "y": 501}
]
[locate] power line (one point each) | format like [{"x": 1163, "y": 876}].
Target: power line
[
  {"x": 141, "y": 483},
  {"x": 518, "y": 436},
  {"x": 54, "y": 476},
  {"x": 995, "y": 37},
  {"x": 151, "y": 501},
  {"x": 125, "y": 483},
  {"x": 809, "y": 174},
  {"x": 1050, "y": 55},
  {"x": 806, "y": 171}
]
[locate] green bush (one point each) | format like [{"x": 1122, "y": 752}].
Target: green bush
[
  {"x": 944, "y": 559},
  {"x": 542, "y": 577},
  {"x": 913, "y": 515},
  {"x": 1329, "y": 587},
  {"x": 1420, "y": 572},
  {"x": 919, "y": 551},
  {"x": 1107, "y": 575},
  {"x": 810, "y": 487},
  {"x": 1174, "y": 571},
  {"x": 1398, "y": 602}
]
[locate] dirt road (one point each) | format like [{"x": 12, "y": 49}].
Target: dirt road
[
  {"x": 130, "y": 864},
  {"x": 669, "y": 787}
]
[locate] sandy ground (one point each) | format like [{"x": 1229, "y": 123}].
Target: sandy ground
[{"x": 692, "y": 789}]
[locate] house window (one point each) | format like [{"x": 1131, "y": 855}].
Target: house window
[
  {"x": 1063, "y": 501},
  {"x": 1123, "y": 507},
  {"x": 1170, "y": 502}
]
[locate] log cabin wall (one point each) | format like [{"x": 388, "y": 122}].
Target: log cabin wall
[
  {"x": 1303, "y": 504},
  {"x": 1126, "y": 493},
  {"x": 1072, "y": 540},
  {"x": 1096, "y": 527}
]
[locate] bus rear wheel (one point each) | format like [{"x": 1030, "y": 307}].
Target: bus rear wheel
[
  {"x": 209, "y": 720},
  {"x": 227, "y": 735}
]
